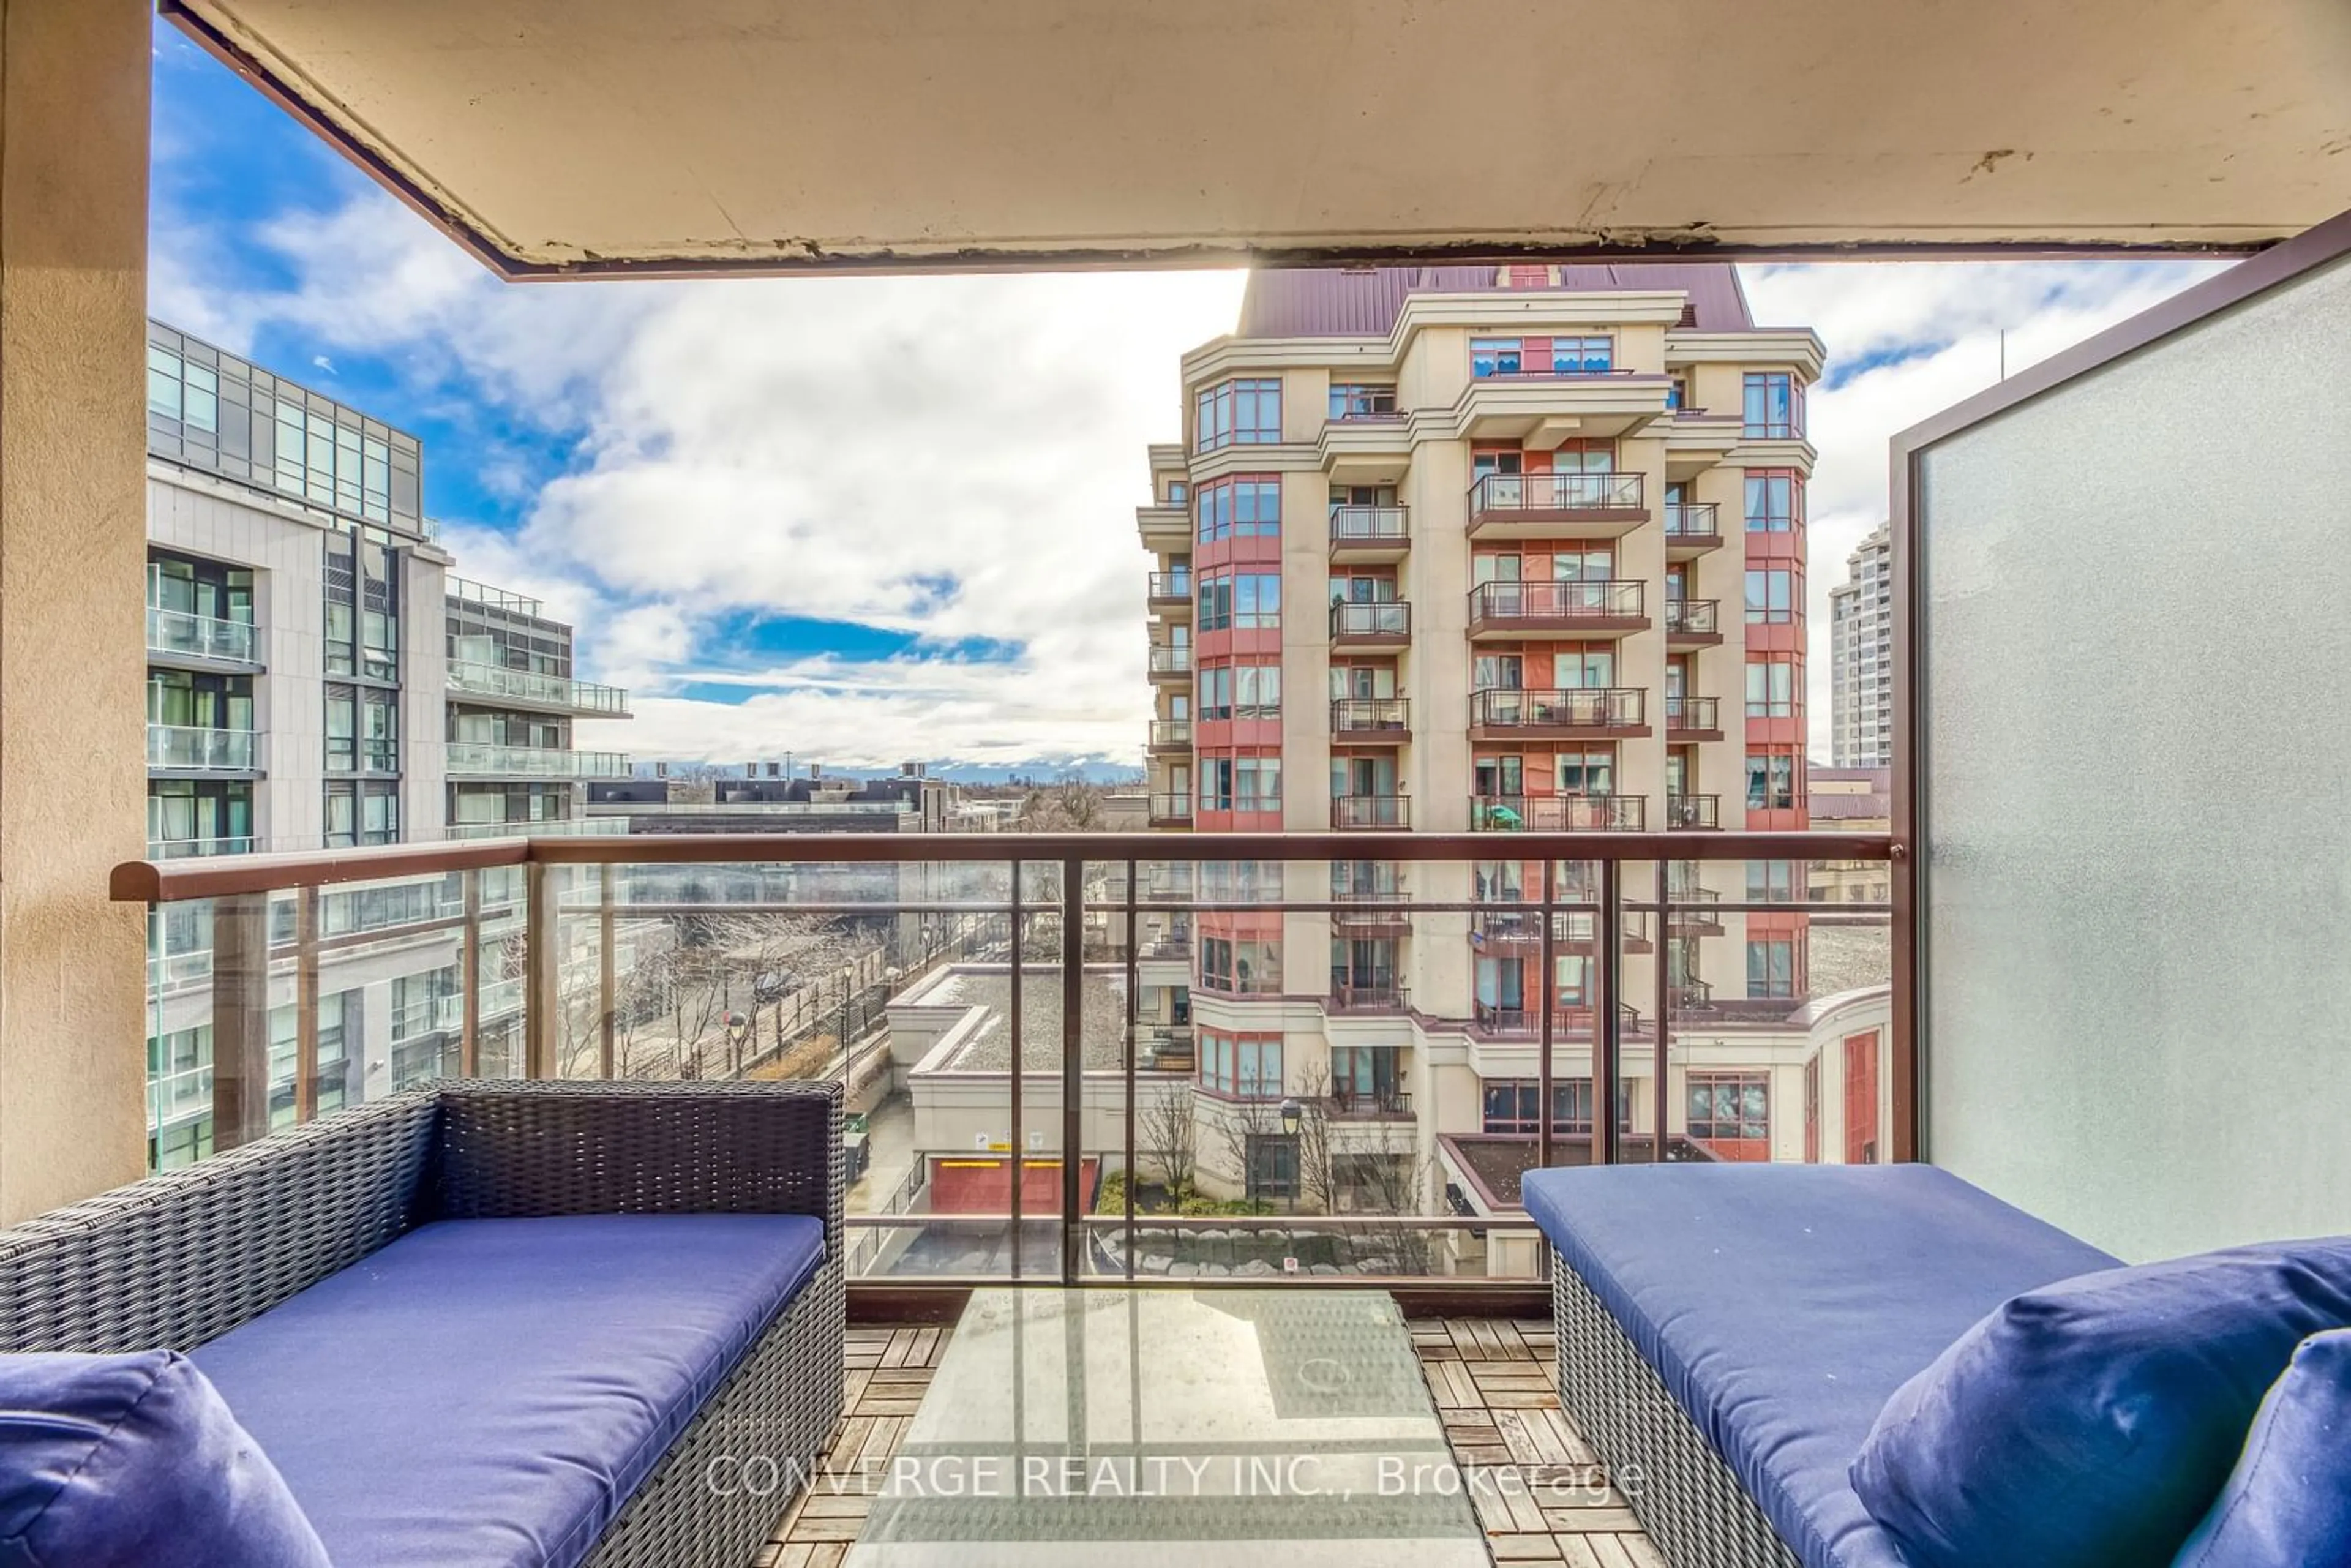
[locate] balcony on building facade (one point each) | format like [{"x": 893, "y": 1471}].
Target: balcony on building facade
[
  {"x": 1693, "y": 719},
  {"x": 1370, "y": 907},
  {"x": 1692, "y": 623},
  {"x": 1364, "y": 535},
  {"x": 1167, "y": 1048},
  {"x": 1569, "y": 506},
  {"x": 1558, "y": 713},
  {"x": 1520, "y": 931},
  {"x": 199, "y": 748},
  {"x": 476, "y": 759},
  {"x": 1543, "y": 400},
  {"x": 1349, "y": 1104},
  {"x": 1690, "y": 995},
  {"x": 1371, "y": 721},
  {"x": 184, "y": 849},
  {"x": 1174, "y": 943},
  {"x": 1692, "y": 909},
  {"x": 1569, "y": 1022},
  {"x": 1366, "y": 991},
  {"x": 1607, "y": 608},
  {"x": 1169, "y": 592},
  {"x": 1165, "y": 528},
  {"x": 532, "y": 691},
  {"x": 1381, "y": 624},
  {"x": 1171, "y": 662},
  {"x": 1170, "y": 810},
  {"x": 1170, "y": 737},
  {"x": 1370, "y": 814},
  {"x": 1686, "y": 814},
  {"x": 1692, "y": 529},
  {"x": 205, "y": 640},
  {"x": 1557, "y": 813}
]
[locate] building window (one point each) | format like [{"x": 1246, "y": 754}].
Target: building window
[
  {"x": 1774, "y": 405},
  {"x": 1239, "y": 691},
  {"x": 1245, "y": 506},
  {"x": 1770, "y": 778},
  {"x": 1773, "y": 501},
  {"x": 1361, "y": 401},
  {"x": 1242, "y": 1066},
  {"x": 359, "y": 812},
  {"x": 1729, "y": 1105},
  {"x": 1494, "y": 357},
  {"x": 1178, "y": 492},
  {"x": 1215, "y": 593},
  {"x": 1255, "y": 601},
  {"x": 1772, "y": 688},
  {"x": 1238, "y": 413},
  {"x": 1242, "y": 966},
  {"x": 1771, "y": 882},
  {"x": 1770, "y": 596},
  {"x": 1244, "y": 783},
  {"x": 1582, "y": 356},
  {"x": 1273, "y": 1167},
  {"x": 1770, "y": 966},
  {"x": 1511, "y": 1105}
]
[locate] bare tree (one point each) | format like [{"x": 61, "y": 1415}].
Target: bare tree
[
  {"x": 1068, "y": 805},
  {"x": 1168, "y": 1130}
]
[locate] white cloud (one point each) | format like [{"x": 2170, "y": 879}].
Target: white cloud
[
  {"x": 1937, "y": 327},
  {"x": 949, "y": 458}
]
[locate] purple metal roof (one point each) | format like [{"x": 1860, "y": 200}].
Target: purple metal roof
[{"x": 1314, "y": 302}]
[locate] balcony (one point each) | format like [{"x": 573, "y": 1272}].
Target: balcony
[
  {"x": 1170, "y": 664},
  {"x": 1374, "y": 721},
  {"x": 1689, "y": 813},
  {"x": 1540, "y": 406},
  {"x": 1520, "y": 931},
  {"x": 1568, "y": 1023},
  {"x": 184, "y": 849},
  {"x": 1693, "y": 719},
  {"x": 1349, "y": 1105},
  {"x": 1556, "y": 813},
  {"x": 1690, "y": 996},
  {"x": 1165, "y": 529},
  {"x": 1369, "y": 534},
  {"x": 1692, "y": 529},
  {"x": 1170, "y": 737},
  {"x": 1556, "y": 506},
  {"x": 204, "y": 642},
  {"x": 530, "y": 691},
  {"x": 1169, "y": 592},
  {"x": 1693, "y": 910},
  {"x": 1365, "y": 993},
  {"x": 1570, "y": 713},
  {"x": 1381, "y": 625},
  {"x": 1370, "y": 910},
  {"x": 1170, "y": 810},
  {"x": 1521, "y": 610},
  {"x": 474, "y": 759},
  {"x": 196, "y": 749},
  {"x": 1370, "y": 814},
  {"x": 1691, "y": 623}
]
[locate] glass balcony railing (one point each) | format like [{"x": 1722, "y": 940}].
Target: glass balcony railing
[
  {"x": 195, "y": 749},
  {"x": 1691, "y": 617},
  {"x": 919, "y": 985},
  {"x": 182, "y": 849},
  {"x": 202, "y": 636},
  {"x": 1385, "y": 621},
  {"x": 496, "y": 682},
  {"x": 478, "y": 760},
  {"x": 1502, "y": 496}
]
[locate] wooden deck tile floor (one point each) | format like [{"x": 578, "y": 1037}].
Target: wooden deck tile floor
[{"x": 1539, "y": 1491}]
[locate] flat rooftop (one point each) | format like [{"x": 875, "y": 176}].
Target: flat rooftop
[{"x": 985, "y": 1043}]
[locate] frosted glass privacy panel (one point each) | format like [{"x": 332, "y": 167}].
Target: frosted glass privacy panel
[{"x": 2136, "y": 709}]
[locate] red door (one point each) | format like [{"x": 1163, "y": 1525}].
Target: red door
[{"x": 1861, "y": 1098}]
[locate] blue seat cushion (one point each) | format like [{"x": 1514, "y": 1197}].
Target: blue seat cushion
[
  {"x": 1781, "y": 1305},
  {"x": 2093, "y": 1421},
  {"x": 2288, "y": 1502},
  {"x": 489, "y": 1392},
  {"x": 133, "y": 1461}
]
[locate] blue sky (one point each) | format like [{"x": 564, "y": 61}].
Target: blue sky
[{"x": 864, "y": 519}]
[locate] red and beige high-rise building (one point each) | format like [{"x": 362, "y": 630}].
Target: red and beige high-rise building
[{"x": 1478, "y": 549}]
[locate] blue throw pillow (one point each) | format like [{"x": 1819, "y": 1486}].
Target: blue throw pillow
[
  {"x": 2089, "y": 1423},
  {"x": 2288, "y": 1501},
  {"x": 133, "y": 1461}
]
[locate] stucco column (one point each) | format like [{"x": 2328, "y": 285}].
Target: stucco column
[{"x": 73, "y": 278}]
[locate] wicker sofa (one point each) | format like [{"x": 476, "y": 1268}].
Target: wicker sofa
[{"x": 276, "y": 1237}]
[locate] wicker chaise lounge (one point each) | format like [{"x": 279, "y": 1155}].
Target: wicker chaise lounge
[
  {"x": 485, "y": 1321},
  {"x": 1727, "y": 1334}
]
